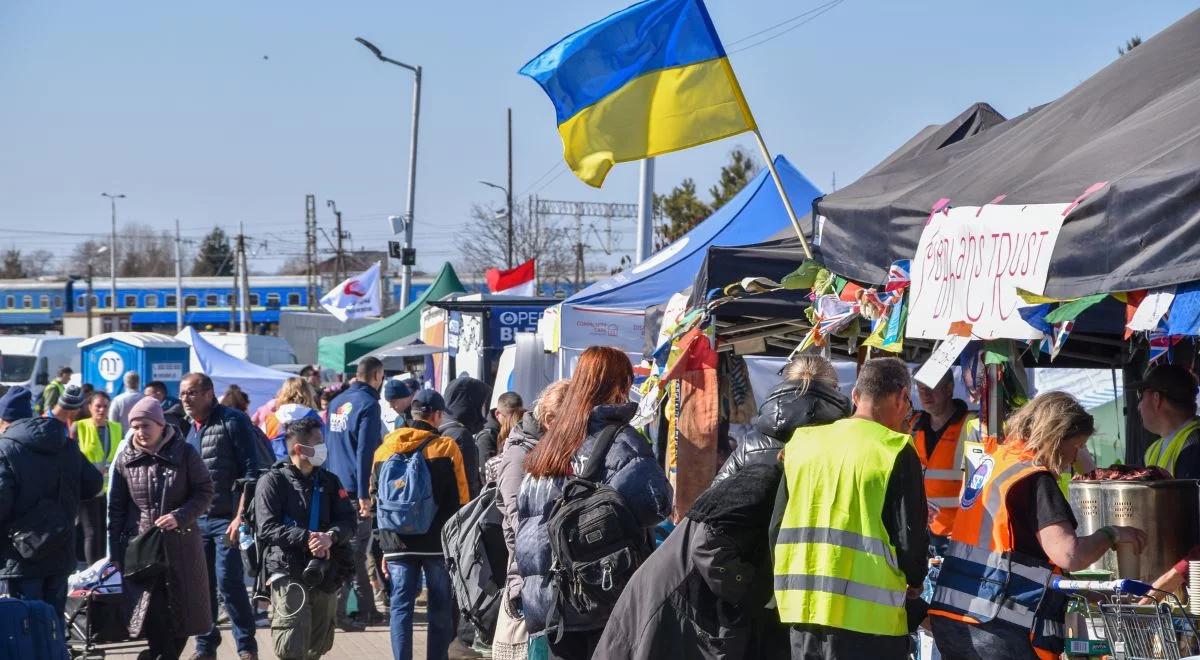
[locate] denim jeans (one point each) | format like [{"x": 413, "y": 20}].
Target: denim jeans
[
  {"x": 52, "y": 590},
  {"x": 406, "y": 584},
  {"x": 225, "y": 573}
]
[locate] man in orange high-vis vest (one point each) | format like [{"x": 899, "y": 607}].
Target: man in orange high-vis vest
[{"x": 939, "y": 431}]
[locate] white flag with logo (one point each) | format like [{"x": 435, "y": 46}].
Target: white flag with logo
[{"x": 356, "y": 297}]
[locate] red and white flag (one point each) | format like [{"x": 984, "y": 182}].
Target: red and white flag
[
  {"x": 518, "y": 281},
  {"x": 356, "y": 297}
]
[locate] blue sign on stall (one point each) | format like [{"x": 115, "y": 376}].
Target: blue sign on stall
[{"x": 506, "y": 322}]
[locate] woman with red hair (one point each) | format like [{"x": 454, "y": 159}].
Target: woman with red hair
[{"x": 597, "y": 398}]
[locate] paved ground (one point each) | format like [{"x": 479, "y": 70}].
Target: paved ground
[{"x": 374, "y": 643}]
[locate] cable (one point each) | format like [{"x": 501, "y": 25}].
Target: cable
[
  {"x": 824, "y": 8},
  {"x": 557, "y": 164},
  {"x": 781, "y": 23}
]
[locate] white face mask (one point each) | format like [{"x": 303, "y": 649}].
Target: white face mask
[{"x": 320, "y": 453}]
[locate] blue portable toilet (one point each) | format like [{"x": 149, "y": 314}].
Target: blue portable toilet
[{"x": 108, "y": 357}]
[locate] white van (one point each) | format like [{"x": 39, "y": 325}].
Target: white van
[
  {"x": 34, "y": 360},
  {"x": 262, "y": 350}
]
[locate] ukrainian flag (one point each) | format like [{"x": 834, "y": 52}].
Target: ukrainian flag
[{"x": 649, "y": 79}]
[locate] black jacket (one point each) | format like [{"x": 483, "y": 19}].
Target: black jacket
[
  {"x": 37, "y": 462},
  {"x": 466, "y": 400},
  {"x": 176, "y": 417},
  {"x": 488, "y": 442},
  {"x": 226, "y": 443},
  {"x": 703, "y": 593},
  {"x": 282, "y": 508},
  {"x": 784, "y": 411}
]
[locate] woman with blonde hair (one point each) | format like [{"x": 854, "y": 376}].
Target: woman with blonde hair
[
  {"x": 294, "y": 390},
  {"x": 808, "y": 395},
  {"x": 1013, "y": 532},
  {"x": 511, "y": 637}
]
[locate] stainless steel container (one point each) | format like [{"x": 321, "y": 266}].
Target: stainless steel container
[
  {"x": 1087, "y": 502},
  {"x": 1169, "y": 513}
]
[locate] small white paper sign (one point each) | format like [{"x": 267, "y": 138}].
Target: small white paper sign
[
  {"x": 940, "y": 362},
  {"x": 1152, "y": 309}
]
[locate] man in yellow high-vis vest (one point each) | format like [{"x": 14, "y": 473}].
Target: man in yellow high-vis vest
[
  {"x": 1167, "y": 404},
  {"x": 850, "y": 537}
]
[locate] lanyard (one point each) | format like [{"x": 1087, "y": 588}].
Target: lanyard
[{"x": 314, "y": 513}]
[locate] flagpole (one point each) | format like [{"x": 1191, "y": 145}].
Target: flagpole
[{"x": 787, "y": 203}]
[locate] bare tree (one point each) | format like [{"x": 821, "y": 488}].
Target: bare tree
[
  {"x": 145, "y": 252},
  {"x": 484, "y": 244},
  {"x": 38, "y": 263},
  {"x": 89, "y": 252}
]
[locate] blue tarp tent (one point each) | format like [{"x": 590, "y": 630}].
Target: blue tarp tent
[{"x": 611, "y": 311}]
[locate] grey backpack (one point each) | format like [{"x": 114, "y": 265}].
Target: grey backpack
[{"x": 477, "y": 559}]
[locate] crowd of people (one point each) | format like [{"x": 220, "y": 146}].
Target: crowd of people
[{"x": 836, "y": 527}]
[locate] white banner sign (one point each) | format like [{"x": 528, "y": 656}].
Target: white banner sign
[
  {"x": 970, "y": 263},
  {"x": 930, "y": 373},
  {"x": 356, "y": 297}
]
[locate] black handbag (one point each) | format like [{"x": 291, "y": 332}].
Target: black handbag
[{"x": 146, "y": 556}]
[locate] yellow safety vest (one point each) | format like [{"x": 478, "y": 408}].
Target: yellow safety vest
[
  {"x": 1164, "y": 453},
  {"x": 89, "y": 443},
  {"x": 834, "y": 562}
]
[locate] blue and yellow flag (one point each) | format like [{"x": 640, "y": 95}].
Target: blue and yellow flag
[{"x": 649, "y": 79}]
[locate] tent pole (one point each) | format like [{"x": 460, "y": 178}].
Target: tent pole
[{"x": 787, "y": 203}]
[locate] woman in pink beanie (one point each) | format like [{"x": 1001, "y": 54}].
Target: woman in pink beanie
[{"x": 159, "y": 480}]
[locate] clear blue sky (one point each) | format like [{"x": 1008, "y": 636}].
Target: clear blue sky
[{"x": 174, "y": 104}]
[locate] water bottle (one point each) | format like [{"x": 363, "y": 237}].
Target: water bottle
[{"x": 245, "y": 536}]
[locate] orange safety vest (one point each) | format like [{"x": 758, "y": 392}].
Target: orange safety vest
[
  {"x": 943, "y": 471},
  {"x": 980, "y": 557}
]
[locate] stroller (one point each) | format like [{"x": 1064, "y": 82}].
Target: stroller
[{"x": 95, "y": 612}]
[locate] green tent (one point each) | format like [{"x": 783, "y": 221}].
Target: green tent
[{"x": 338, "y": 351}]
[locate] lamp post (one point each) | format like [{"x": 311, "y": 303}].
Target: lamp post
[
  {"x": 112, "y": 250},
  {"x": 507, "y": 216},
  {"x": 406, "y": 275}
]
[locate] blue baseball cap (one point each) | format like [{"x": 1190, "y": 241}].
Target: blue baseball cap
[{"x": 428, "y": 401}]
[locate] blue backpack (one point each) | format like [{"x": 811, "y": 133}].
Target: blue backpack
[{"x": 405, "y": 505}]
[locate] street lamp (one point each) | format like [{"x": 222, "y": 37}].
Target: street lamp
[
  {"x": 406, "y": 276},
  {"x": 112, "y": 251},
  {"x": 507, "y": 214}
]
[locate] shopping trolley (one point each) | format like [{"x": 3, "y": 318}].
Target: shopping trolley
[{"x": 1140, "y": 622}]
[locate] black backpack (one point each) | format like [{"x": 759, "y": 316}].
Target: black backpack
[
  {"x": 596, "y": 543},
  {"x": 477, "y": 560}
]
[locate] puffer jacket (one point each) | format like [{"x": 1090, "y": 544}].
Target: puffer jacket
[
  {"x": 38, "y": 462},
  {"x": 282, "y": 508},
  {"x": 225, "y": 442},
  {"x": 144, "y": 487},
  {"x": 785, "y": 410},
  {"x": 521, "y": 440},
  {"x": 629, "y": 468},
  {"x": 703, "y": 593}
]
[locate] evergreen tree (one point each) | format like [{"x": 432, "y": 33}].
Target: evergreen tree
[
  {"x": 215, "y": 258},
  {"x": 1130, "y": 44},
  {"x": 683, "y": 209},
  {"x": 12, "y": 268}
]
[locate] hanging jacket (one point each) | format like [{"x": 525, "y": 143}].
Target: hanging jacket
[
  {"x": 704, "y": 592},
  {"x": 788, "y": 407},
  {"x": 982, "y": 580},
  {"x": 521, "y": 440},
  {"x": 629, "y": 468},
  {"x": 352, "y": 434},
  {"x": 38, "y": 462},
  {"x": 942, "y": 459}
]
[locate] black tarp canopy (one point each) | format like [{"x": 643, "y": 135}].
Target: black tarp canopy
[
  {"x": 1134, "y": 124},
  {"x": 781, "y": 254}
]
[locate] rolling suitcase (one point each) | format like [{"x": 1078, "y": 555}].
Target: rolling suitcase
[{"x": 30, "y": 630}]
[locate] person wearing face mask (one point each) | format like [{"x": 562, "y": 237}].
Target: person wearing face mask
[{"x": 305, "y": 521}]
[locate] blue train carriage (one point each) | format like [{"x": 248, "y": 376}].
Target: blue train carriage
[
  {"x": 39, "y": 304},
  {"x": 108, "y": 357}
]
